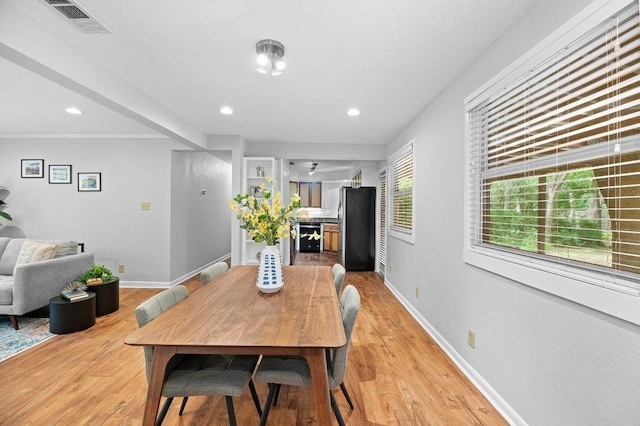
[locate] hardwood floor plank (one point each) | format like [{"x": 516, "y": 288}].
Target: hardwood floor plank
[{"x": 396, "y": 375}]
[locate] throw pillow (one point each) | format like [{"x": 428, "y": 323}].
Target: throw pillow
[
  {"x": 65, "y": 248},
  {"x": 33, "y": 251}
]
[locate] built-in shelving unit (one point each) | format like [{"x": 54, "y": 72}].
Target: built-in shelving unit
[{"x": 255, "y": 171}]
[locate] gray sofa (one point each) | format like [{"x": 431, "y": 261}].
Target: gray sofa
[{"x": 27, "y": 282}]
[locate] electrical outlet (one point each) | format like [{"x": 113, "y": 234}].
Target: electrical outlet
[
  {"x": 121, "y": 269},
  {"x": 145, "y": 205},
  {"x": 417, "y": 292},
  {"x": 471, "y": 338}
]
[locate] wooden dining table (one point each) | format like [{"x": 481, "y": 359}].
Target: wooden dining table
[{"x": 230, "y": 315}]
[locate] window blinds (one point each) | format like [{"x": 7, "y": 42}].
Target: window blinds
[
  {"x": 401, "y": 169},
  {"x": 555, "y": 155},
  {"x": 382, "y": 255}
]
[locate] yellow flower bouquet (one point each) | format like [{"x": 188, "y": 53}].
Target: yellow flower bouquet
[{"x": 265, "y": 218}]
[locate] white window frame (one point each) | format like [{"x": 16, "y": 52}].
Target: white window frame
[
  {"x": 601, "y": 292},
  {"x": 392, "y": 230}
]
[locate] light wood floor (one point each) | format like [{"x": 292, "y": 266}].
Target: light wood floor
[{"x": 396, "y": 375}]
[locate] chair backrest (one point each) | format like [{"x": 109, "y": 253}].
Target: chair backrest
[
  {"x": 209, "y": 273},
  {"x": 350, "y": 306},
  {"x": 338, "y": 272},
  {"x": 149, "y": 310}
]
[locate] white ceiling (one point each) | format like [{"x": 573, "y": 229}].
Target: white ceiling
[{"x": 388, "y": 58}]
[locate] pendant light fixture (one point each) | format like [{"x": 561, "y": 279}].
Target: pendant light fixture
[{"x": 269, "y": 57}]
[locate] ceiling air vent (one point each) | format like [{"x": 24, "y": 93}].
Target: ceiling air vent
[{"x": 78, "y": 17}]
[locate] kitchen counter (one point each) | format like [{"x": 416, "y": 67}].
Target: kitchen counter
[{"x": 317, "y": 220}]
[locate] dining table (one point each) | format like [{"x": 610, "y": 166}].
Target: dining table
[{"x": 230, "y": 315}]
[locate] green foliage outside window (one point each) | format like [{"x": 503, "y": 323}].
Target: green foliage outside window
[{"x": 575, "y": 224}]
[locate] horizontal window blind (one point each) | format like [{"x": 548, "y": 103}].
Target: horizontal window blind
[
  {"x": 555, "y": 156},
  {"x": 401, "y": 169},
  {"x": 383, "y": 219}
]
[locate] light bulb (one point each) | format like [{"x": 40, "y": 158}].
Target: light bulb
[
  {"x": 280, "y": 64},
  {"x": 262, "y": 59}
]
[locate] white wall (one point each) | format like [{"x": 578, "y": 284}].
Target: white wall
[
  {"x": 110, "y": 222},
  {"x": 200, "y": 223},
  {"x": 552, "y": 361},
  {"x": 331, "y": 195},
  {"x": 182, "y": 231}
]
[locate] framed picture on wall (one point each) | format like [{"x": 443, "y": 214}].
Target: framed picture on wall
[
  {"x": 31, "y": 168},
  {"x": 59, "y": 173},
  {"x": 89, "y": 181}
]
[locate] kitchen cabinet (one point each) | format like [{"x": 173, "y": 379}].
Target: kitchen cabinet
[
  {"x": 310, "y": 193},
  {"x": 330, "y": 237}
]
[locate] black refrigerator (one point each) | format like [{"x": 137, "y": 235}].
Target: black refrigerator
[{"x": 357, "y": 222}]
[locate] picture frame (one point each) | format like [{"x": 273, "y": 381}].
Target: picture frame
[
  {"x": 89, "y": 182},
  {"x": 60, "y": 173},
  {"x": 31, "y": 168}
]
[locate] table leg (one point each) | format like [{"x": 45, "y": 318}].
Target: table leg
[
  {"x": 319, "y": 384},
  {"x": 161, "y": 357}
]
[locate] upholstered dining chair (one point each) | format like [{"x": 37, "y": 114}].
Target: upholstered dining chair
[
  {"x": 191, "y": 375},
  {"x": 338, "y": 273},
  {"x": 210, "y": 272},
  {"x": 294, "y": 371}
]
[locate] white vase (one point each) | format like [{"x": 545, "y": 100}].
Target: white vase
[{"x": 270, "y": 278}]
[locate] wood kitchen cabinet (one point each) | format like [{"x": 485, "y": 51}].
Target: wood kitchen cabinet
[
  {"x": 331, "y": 237},
  {"x": 310, "y": 193}
]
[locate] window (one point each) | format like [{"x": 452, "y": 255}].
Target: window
[
  {"x": 356, "y": 180},
  {"x": 382, "y": 237},
  {"x": 554, "y": 161},
  {"x": 401, "y": 194}
]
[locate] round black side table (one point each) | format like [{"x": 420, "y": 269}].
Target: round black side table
[
  {"x": 107, "y": 296},
  {"x": 69, "y": 317}
]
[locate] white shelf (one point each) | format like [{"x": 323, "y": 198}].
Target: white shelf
[{"x": 273, "y": 169}]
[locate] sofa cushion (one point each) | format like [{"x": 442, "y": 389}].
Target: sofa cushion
[
  {"x": 65, "y": 248},
  {"x": 33, "y": 251},
  {"x": 6, "y": 290},
  {"x": 10, "y": 256}
]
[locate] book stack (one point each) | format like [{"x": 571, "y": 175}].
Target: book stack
[{"x": 73, "y": 295}]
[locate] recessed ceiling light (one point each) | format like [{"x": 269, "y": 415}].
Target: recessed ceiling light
[
  {"x": 353, "y": 112},
  {"x": 226, "y": 110},
  {"x": 73, "y": 110}
]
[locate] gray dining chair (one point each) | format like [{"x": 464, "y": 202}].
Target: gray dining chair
[
  {"x": 338, "y": 272},
  {"x": 210, "y": 272},
  {"x": 294, "y": 371},
  {"x": 191, "y": 375}
]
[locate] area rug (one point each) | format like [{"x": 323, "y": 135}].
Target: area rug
[{"x": 31, "y": 332}]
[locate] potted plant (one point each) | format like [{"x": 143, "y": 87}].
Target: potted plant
[
  {"x": 106, "y": 287},
  {"x": 97, "y": 274},
  {"x": 266, "y": 220},
  {"x": 4, "y": 214}
]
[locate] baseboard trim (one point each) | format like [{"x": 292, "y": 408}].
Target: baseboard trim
[
  {"x": 143, "y": 284},
  {"x": 509, "y": 414},
  {"x": 179, "y": 280}
]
